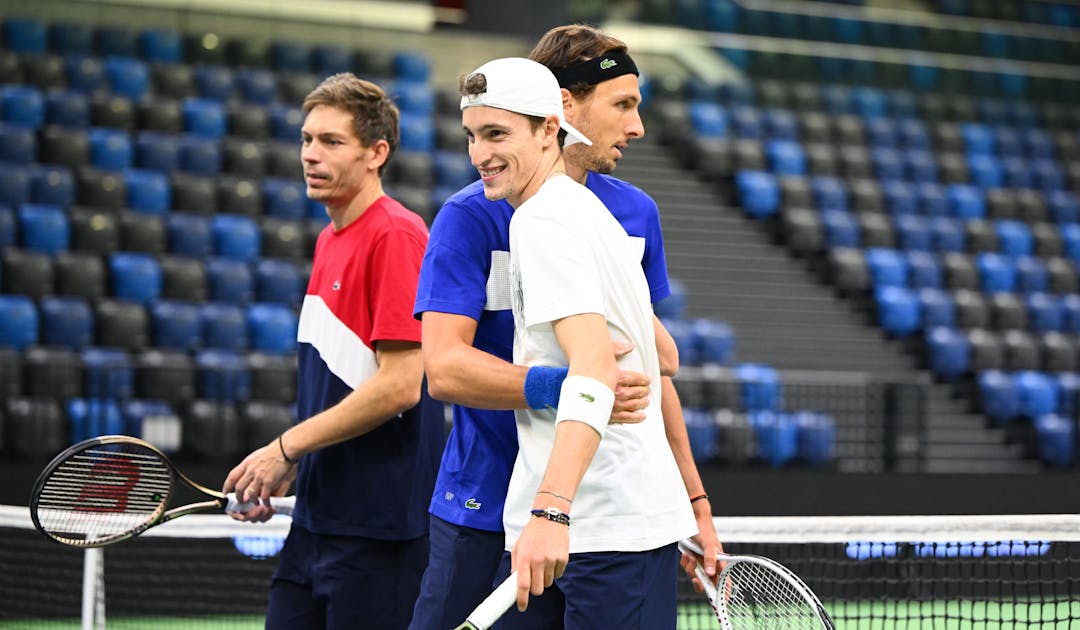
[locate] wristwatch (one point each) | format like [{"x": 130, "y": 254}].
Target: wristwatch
[{"x": 553, "y": 514}]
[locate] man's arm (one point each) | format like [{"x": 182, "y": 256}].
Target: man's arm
[
  {"x": 462, "y": 374},
  {"x": 393, "y": 389},
  {"x": 543, "y": 549},
  {"x": 666, "y": 349}
]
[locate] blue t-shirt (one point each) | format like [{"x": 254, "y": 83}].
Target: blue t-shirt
[{"x": 465, "y": 272}]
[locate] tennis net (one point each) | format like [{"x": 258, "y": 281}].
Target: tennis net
[{"x": 872, "y": 573}]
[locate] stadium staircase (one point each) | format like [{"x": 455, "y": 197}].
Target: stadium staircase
[{"x": 782, "y": 315}]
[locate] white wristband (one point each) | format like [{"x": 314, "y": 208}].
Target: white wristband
[{"x": 587, "y": 400}]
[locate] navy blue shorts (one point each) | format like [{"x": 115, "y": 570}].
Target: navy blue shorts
[
  {"x": 606, "y": 589},
  {"x": 461, "y": 569},
  {"x": 345, "y": 582}
]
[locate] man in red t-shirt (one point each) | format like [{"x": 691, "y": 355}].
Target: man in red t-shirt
[{"x": 365, "y": 455}]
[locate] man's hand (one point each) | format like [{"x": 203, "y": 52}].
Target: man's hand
[
  {"x": 539, "y": 556},
  {"x": 709, "y": 542},
  {"x": 262, "y": 474},
  {"x": 631, "y": 390}
]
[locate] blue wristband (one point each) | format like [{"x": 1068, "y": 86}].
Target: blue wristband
[{"x": 543, "y": 384}]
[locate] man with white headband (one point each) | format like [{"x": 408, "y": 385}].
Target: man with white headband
[{"x": 590, "y": 505}]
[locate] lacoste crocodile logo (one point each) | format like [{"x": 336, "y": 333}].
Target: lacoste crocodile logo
[
  {"x": 587, "y": 397},
  {"x": 472, "y": 504},
  {"x": 607, "y": 64}
]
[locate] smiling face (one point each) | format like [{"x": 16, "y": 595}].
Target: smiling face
[
  {"x": 336, "y": 164},
  {"x": 609, "y": 117},
  {"x": 508, "y": 151}
]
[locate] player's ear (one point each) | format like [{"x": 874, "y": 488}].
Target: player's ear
[
  {"x": 551, "y": 128},
  {"x": 380, "y": 153},
  {"x": 567, "y": 102}
]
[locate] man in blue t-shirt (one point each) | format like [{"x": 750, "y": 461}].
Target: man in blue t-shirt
[{"x": 464, "y": 301}]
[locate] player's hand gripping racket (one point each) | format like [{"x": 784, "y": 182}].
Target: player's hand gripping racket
[
  {"x": 111, "y": 488},
  {"x": 758, "y": 593},
  {"x": 488, "y": 612}
]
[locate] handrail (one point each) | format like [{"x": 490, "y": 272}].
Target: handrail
[{"x": 915, "y": 18}]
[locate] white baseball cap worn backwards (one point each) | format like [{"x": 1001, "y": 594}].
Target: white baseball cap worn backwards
[{"x": 523, "y": 86}]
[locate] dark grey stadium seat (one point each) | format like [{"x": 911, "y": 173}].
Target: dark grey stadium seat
[
  {"x": 121, "y": 325},
  {"x": 953, "y": 168},
  {"x": 972, "y": 311},
  {"x": 1001, "y": 203},
  {"x": 986, "y": 351},
  {"x": 876, "y": 230},
  {"x": 1031, "y": 206},
  {"x": 848, "y": 269},
  {"x": 237, "y": 195},
  {"x": 1061, "y": 276},
  {"x": 960, "y": 272},
  {"x": 55, "y": 372},
  {"x": 263, "y": 421},
  {"x": 273, "y": 377},
  {"x": 821, "y": 158},
  {"x": 814, "y": 126},
  {"x": 94, "y": 230},
  {"x": 167, "y": 375},
  {"x": 802, "y": 231},
  {"x": 212, "y": 431},
  {"x": 173, "y": 80},
  {"x": 44, "y": 71},
  {"x": 283, "y": 159},
  {"x": 855, "y": 161},
  {"x": 1021, "y": 351},
  {"x": 141, "y": 232},
  {"x": 100, "y": 189},
  {"x": 160, "y": 113},
  {"x": 848, "y": 129},
  {"x": 748, "y": 155},
  {"x": 947, "y": 138},
  {"x": 249, "y": 121},
  {"x": 27, "y": 272},
  {"x": 36, "y": 427},
  {"x": 1058, "y": 352},
  {"x": 10, "y": 373},
  {"x": 980, "y": 236},
  {"x": 282, "y": 238},
  {"x": 1046, "y": 239},
  {"x": 80, "y": 274},
  {"x": 193, "y": 193},
  {"x": 183, "y": 279},
  {"x": 795, "y": 192},
  {"x": 108, "y": 110},
  {"x": 1007, "y": 312},
  {"x": 243, "y": 157},
  {"x": 64, "y": 146}
]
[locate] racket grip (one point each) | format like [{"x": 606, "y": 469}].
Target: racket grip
[
  {"x": 494, "y": 605},
  {"x": 281, "y": 505}
]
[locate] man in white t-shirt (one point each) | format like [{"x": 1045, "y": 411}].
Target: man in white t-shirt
[{"x": 577, "y": 283}]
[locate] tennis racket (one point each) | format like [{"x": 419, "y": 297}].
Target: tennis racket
[
  {"x": 488, "y": 612},
  {"x": 759, "y": 594},
  {"x": 111, "y": 488}
]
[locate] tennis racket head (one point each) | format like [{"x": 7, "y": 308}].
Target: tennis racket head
[{"x": 101, "y": 491}]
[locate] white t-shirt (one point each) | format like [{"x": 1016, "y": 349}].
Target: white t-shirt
[{"x": 569, "y": 255}]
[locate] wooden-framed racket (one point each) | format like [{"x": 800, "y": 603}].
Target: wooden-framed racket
[
  {"x": 111, "y": 488},
  {"x": 757, "y": 593}
]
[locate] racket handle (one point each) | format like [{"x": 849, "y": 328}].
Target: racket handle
[
  {"x": 493, "y": 606},
  {"x": 281, "y": 505}
]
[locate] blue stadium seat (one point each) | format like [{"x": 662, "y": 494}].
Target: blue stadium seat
[
  {"x": 229, "y": 280},
  {"x": 18, "y": 145},
  {"x": 273, "y": 328},
  {"x": 413, "y": 66},
  {"x": 888, "y": 267},
  {"x": 200, "y": 156},
  {"x": 1031, "y": 274},
  {"x": 256, "y": 86},
  {"x": 868, "y": 102},
  {"x": 116, "y": 41},
  {"x": 235, "y": 237},
  {"x": 85, "y": 74},
  {"x": 760, "y": 388},
  {"x": 127, "y": 77},
  {"x": 937, "y": 308},
  {"x": 110, "y": 149},
  {"x": 781, "y": 124},
  {"x": 1070, "y": 304},
  {"x": 997, "y": 273},
  {"x": 1037, "y": 143},
  {"x": 453, "y": 169},
  {"x": 815, "y": 437},
  {"x": 966, "y": 202},
  {"x": 284, "y": 198},
  {"x": 18, "y": 321},
  {"x": 758, "y": 192},
  {"x": 715, "y": 341},
  {"x": 67, "y": 322},
  {"x": 1017, "y": 173},
  {"x": 413, "y": 97},
  {"x": 912, "y": 134},
  {"x": 43, "y": 228},
  {"x": 25, "y": 35},
  {"x": 1064, "y": 206},
  {"x": 204, "y": 117},
  {"x": 157, "y": 151},
  {"x": 931, "y": 199},
  {"x": 998, "y": 395},
  {"x": 278, "y": 281},
  {"x": 1055, "y": 440},
  {"x": 290, "y": 56},
  {"x": 175, "y": 325},
  {"x": 888, "y": 164},
  {"x": 830, "y": 193},
  {"x": 1070, "y": 241},
  {"x": 1014, "y": 237},
  {"x": 912, "y": 232},
  {"x": 841, "y": 229},
  {"x": 986, "y": 171},
  {"x": 66, "y": 108},
  {"x": 108, "y": 373},
  {"x": 329, "y": 59},
  {"x": 900, "y": 198},
  {"x": 777, "y": 436},
  {"x": 148, "y": 191},
  {"x": 224, "y": 326},
  {"x": 785, "y": 157},
  {"x": 214, "y": 82},
  {"x": 154, "y": 421},
  {"x": 1047, "y": 175},
  {"x": 924, "y": 270},
  {"x": 746, "y": 120},
  {"x": 136, "y": 277},
  {"x": 1007, "y": 142},
  {"x": 978, "y": 138},
  {"x": 702, "y": 430},
  {"x": 417, "y": 133},
  {"x": 286, "y": 121},
  {"x": 882, "y": 132},
  {"x": 1036, "y": 394},
  {"x": 1045, "y": 312},
  {"x": 708, "y": 119},
  {"x": 898, "y": 310},
  {"x": 919, "y": 165},
  {"x": 223, "y": 376},
  {"x": 90, "y": 418},
  {"x": 71, "y": 38},
  {"x": 947, "y": 351},
  {"x": 1068, "y": 384},
  {"x": 22, "y": 106},
  {"x": 161, "y": 45}
]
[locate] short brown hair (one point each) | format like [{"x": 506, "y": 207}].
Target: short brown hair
[
  {"x": 564, "y": 46},
  {"x": 476, "y": 83},
  {"x": 375, "y": 116}
]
